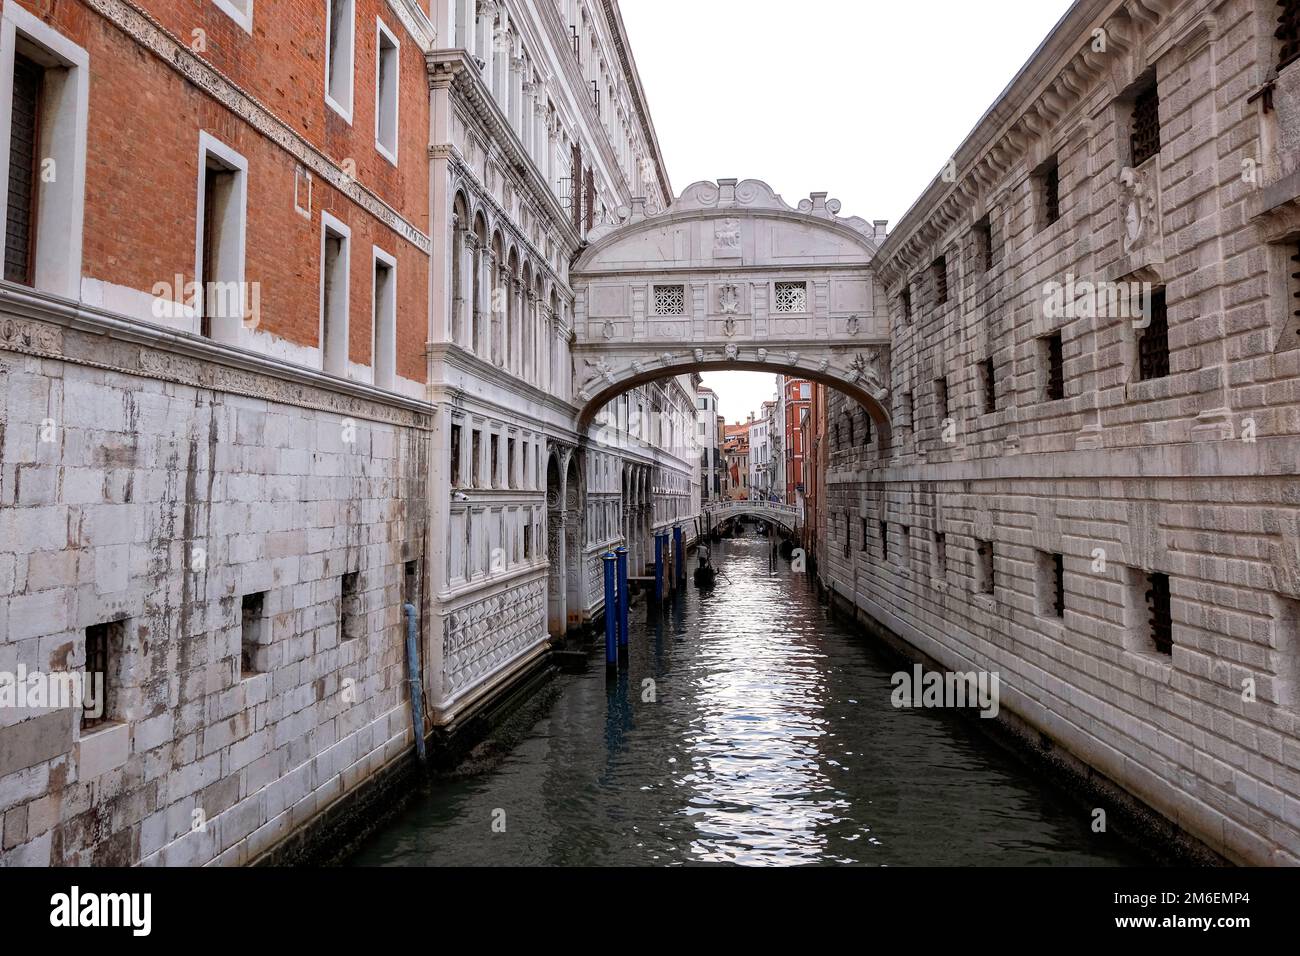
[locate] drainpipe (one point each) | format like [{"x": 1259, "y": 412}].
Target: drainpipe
[{"x": 413, "y": 679}]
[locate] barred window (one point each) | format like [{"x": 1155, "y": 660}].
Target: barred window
[
  {"x": 20, "y": 219},
  {"x": 941, "y": 396},
  {"x": 984, "y": 580},
  {"x": 989, "y": 384},
  {"x": 906, "y": 297},
  {"x": 95, "y": 704},
  {"x": 1161, "y": 621},
  {"x": 1144, "y": 137},
  {"x": 940, "y": 268},
  {"x": 1051, "y": 584},
  {"x": 884, "y": 540},
  {"x": 1153, "y": 346},
  {"x": 1288, "y": 31},
  {"x": 1054, "y": 355},
  {"x": 670, "y": 300},
  {"x": 792, "y": 297},
  {"x": 984, "y": 243},
  {"x": 1049, "y": 182}
]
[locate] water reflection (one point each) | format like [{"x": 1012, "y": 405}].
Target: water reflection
[{"x": 765, "y": 737}]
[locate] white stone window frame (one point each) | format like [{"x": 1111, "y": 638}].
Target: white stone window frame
[
  {"x": 654, "y": 308},
  {"x": 337, "y": 329},
  {"x": 382, "y": 33},
  {"x": 383, "y": 333},
  {"x": 807, "y": 297},
  {"x": 349, "y": 45},
  {"x": 233, "y": 254},
  {"x": 241, "y": 11},
  {"x": 61, "y": 205}
]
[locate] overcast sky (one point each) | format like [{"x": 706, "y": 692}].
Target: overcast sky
[{"x": 864, "y": 99}]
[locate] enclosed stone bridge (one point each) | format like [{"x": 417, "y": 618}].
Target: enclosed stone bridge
[
  {"x": 786, "y": 516},
  {"x": 730, "y": 277}
]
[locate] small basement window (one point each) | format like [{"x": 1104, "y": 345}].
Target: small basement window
[
  {"x": 104, "y": 646},
  {"x": 984, "y": 579},
  {"x": 1160, "y": 621},
  {"x": 252, "y": 634},
  {"x": 352, "y": 618}
]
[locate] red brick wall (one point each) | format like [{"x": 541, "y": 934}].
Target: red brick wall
[{"x": 142, "y": 162}]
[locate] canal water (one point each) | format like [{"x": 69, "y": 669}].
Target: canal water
[{"x": 749, "y": 728}]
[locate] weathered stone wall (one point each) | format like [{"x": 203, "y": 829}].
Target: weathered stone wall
[
  {"x": 160, "y": 501},
  {"x": 1192, "y": 474}
]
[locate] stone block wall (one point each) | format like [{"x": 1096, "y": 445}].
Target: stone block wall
[{"x": 1190, "y": 475}]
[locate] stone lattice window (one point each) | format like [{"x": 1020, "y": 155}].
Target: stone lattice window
[
  {"x": 1288, "y": 31},
  {"x": 670, "y": 300},
  {"x": 1153, "y": 346},
  {"x": 792, "y": 297},
  {"x": 1144, "y": 138}
]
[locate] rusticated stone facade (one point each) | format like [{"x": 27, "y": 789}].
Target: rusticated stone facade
[{"x": 1059, "y": 460}]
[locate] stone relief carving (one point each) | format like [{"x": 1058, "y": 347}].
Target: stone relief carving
[
  {"x": 853, "y": 325},
  {"x": 732, "y": 353},
  {"x": 729, "y": 299},
  {"x": 793, "y": 357},
  {"x": 31, "y": 336},
  {"x": 1138, "y": 208},
  {"x": 608, "y": 330},
  {"x": 726, "y": 237},
  {"x": 699, "y": 355},
  {"x": 729, "y": 327},
  {"x": 869, "y": 367},
  {"x": 762, "y": 355}
]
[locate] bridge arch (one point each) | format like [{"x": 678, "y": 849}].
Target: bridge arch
[
  {"x": 731, "y": 277},
  {"x": 785, "y": 516}
]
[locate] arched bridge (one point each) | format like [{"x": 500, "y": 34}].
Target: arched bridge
[
  {"x": 731, "y": 277},
  {"x": 784, "y": 515}
]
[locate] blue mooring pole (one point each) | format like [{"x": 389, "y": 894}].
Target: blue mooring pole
[
  {"x": 681, "y": 555},
  {"x": 622, "y": 598},
  {"x": 659, "y": 567},
  {"x": 611, "y": 612}
]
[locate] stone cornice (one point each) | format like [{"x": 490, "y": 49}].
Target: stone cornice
[
  {"x": 416, "y": 21},
  {"x": 146, "y": 31},
  {"x": 633, "y": 76},
  {"x": 1053, "y": 83}
]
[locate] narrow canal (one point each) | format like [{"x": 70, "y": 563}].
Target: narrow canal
[{"x": 767, "y": 737}]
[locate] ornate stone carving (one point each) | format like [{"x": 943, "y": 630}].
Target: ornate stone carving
[
  {"x": 729, "y": 299},
  {"x": 26, "y": 335},
  {"x": 726, "y": 238},
  {"x": 762, "y": 355},
  {"x": 1137, "y": 208},
  {"x": 481, "y": 637},
  {"x": 732, "y": 353},
  {"x": 699, "y": 355}
]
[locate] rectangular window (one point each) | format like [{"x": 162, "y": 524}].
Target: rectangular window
[
  {"x": 1286, "y": 629},
  {"x": 336, "y": 242},
  {"x": 1053, "y": 358},
  {"x": 863, "y": 545},
  {"x": 476, "y": 450},
  {"x": 252, "y": 634},
  {"x": 848, "y": 537},
  {"x": 241, "y": 11},
  {"x": 940, "y": 272},
  {"x": 494, "y": 459},
  {"x": 1160, "y": 620},
  {"x": 340, "y": 33},
  {"x": 352, "y": 617},
  {"x": 670, "y": 300},
  {"x": 222, "y": 203},
  {"x": 387, "y": 63},
  {"x": 510, "y": 462},
  {"x": 528, "y": 540},
  {"x": 941, "y": 397},
  {"x": 1144, "y": 131},
  {"x": 44, "y": 169},
  {"x": 906, "y": 297},
  {"x": 1051, "y": 584},
  {"x": 384, "y": 324},
  {"x": 455, "y": 455},
  {"x": 905, "y": 545},
  {"x": 884, "y": 540},
  {"x": 1049, "y": 188},
  {"x": 988, "y": 384},
  {"x": 940, "y": 555},
  {"x": 909, "y": 410},
  {"x": 104, "y": 646},
  {"x": 1288, "y": 32},
  {"x": 792, "y": 297},
  {"x": 1153, "y": 341},
  {"x": 984, "y": 243},
  {"x": 24, "y": 164},
  {"x": 984, "y": 580}
]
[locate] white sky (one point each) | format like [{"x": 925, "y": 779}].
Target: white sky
[{"x": 865, "y": 99}]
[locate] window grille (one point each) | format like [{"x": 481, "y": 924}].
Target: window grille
[
  {"x": 792, "y": 297},
  {"x": 1051, "y": 182},
  {"x": 906, "y": 297},
  {"x": 1145, "y": 135},
  {"x": 940, "y": 280},
  {"x": 1055, "y": 368},
  {"x": 96, "y": 664},
  {"x": 1153, "y": 346},
  {"x": 20, "y": 220},
  {"x": 670, "y": 300},
  {"x": 884, "y": 540},
  {"x": 984, "y": 243},
  {"x": 990, "y": 387},
  {"x": 1161, "y": 620},
  {"x": 1058, "y": 573}
]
